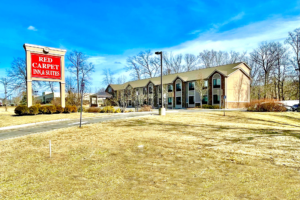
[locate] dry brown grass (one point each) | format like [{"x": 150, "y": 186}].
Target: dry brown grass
[
  {"x": 185, "y": 156},
  {"x": 9, "y": 118}
]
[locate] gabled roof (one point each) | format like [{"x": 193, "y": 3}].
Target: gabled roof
[{"x": 185, "y": 76}]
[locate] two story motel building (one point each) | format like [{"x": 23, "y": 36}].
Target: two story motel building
[{"x": 227, "y": 85}]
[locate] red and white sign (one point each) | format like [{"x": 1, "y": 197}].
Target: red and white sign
[{"x": 45, "y": 66}]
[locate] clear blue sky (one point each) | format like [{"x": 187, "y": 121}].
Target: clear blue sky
[{"x": 109, "y": 31}]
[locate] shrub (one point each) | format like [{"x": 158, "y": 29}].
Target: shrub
[
  {"x": 59, "y": 109},
  {"x": 73, "y": 109},
  {"x": 51, "y": 109},
  {"x": 207, "y": 106},
  {"x": 43, "y": 110},
  {"x": 118, "y": 110},
  {"x": 146, "y": 108},
  {"x": 108, "y": 109},
  {"x": 215, "y": 107},
  {"x": 131, "y": 110},
  {"x": 265, "y": 105},
  {"x": 83, "y": 109},
  {"x": 33, "y": 110},
  {"x": 93, "y": 110},
  {"x": 21, "y": 110},
  {"x": 37, "y": 105},
  {"x": 68, "y": 109}
]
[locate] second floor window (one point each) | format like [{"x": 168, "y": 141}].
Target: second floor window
[
  {"x": 178, "y": 87},
  {"x": 191, "y": 85},
  {"x": 145, "y": 91},
  {"x": 216, "y": 83},
  {"x": 205, "y": 83},
  {"x": 170, "y": 88},
  {"x": 150, "y": 90}
]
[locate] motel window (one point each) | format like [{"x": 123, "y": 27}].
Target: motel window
[
  {"x": 178, "y": 100},
  {"x": 191, "y": 100},
  {"x": 205, "y": 99},
  {"x": 150, "y": 90},
  {"x": 191, "y": 85},
  {"x": 109, "y": 89},
  {"x": 129, "y": 103},
  {"x": 205, "y": 83},
  {"x": 170, "y": 88},
  {"x": 178, "y": 87},
  {"x": 216, "y": 99},
  {"x": 170, "y": 99},
  {"x": 159, "y": 102},
  {"x": 145, "y": 91},
  {"x": 217, "y": 83}
]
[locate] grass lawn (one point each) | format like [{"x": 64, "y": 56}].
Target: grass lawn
[
  {"x": 178, "y": 156},
  {"x": 9, "y": 118}
]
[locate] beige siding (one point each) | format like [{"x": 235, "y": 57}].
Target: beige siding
[
  {"x": 245, "y": 68},
  {"x": 238, "y": 86}
]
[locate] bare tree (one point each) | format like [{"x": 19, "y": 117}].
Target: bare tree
[
  {"x": 77, "y": 60},
  {"x": 200, "y": 87},
  {"x": 121, "y": 79},
  {"x": 108, "y": 77},
  {"x": 294, "y": 41},
  {"x": 207, "y": 57},
  {"x": 134, "y": 67},
  {"x": 265, "y": 57},
  {"x": 5, "y": 81},
  {"x": 191, "y": 62},
  {"x": 17, "y": 73}
]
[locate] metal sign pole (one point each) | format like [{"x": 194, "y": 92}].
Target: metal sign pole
[{"x": 82, "y": 88}]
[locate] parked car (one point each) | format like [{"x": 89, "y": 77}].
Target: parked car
[
  {"x": 289, "y": 108},
  {"x": 295, "y": 107}
]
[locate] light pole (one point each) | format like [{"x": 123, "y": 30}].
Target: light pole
[
  {"x": 162, "y": 110},
  {"x": 82, "y": 88}
]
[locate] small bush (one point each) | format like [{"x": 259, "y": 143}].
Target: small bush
[
  {"x": 21, "y": 110},
  {"x": 43, "y": 110},
  {"x": 131, "y": 110},
  {"x": 68, "y": 109},
  {"x": 215, "y": 107},
  {"x": 265, "y": 105},
  {"x": 93, "y": 110},
  {"x": 59, "y": 109},
  {"x": 146, "y": 108},
  {"x": 118, "y": 110},
  {"x": 83, "y": 109},
  {"x": 51, "y": 109},
  {"x": 73, "y": 109},
  {"x": 108, "y": 109},
  {"x": 33, "y": 110}
]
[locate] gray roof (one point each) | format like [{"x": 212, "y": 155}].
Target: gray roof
[{"x": 185, "y": 76}]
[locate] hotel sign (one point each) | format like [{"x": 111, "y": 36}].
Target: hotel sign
[{"x": 45, "y": 66}]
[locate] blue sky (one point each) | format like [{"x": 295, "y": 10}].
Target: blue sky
[{"x": 109, "y": 31}]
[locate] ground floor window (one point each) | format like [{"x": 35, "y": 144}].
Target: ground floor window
[
  {"x": 150, "y": 101},
  {"x": 216, "y": 99},
  {"x": 191, "y": 100},
  {"x": 129, "y": 103},
  {"x": 94, "y": 101},
  {"x": 205, "y": 99},
  {"x": 178, "y": 100},
  {"x": 159, "y": 101},
  {"x": 170, "y": 99}
]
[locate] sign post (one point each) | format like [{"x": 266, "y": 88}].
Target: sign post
[
  {"x": 82, "y": 88},
  {"x": 44, "y": 64}
]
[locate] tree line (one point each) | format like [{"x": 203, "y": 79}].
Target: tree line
[{"x": 275, "y": 66}]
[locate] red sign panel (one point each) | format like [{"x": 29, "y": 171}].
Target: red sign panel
[{"x": 45, "y": 66}]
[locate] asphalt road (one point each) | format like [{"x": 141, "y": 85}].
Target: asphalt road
[{"x": 13, "y": 133}]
